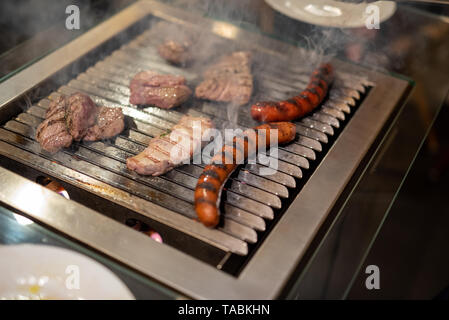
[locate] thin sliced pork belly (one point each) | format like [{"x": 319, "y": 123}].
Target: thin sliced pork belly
[{"x": 171, "y": 149}]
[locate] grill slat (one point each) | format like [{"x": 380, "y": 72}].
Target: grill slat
[
  {"x": 280, "y": 177},
  {"x": 327, "y": 119},
  {"x": 311, "y": 133},
  {"x": 244, "y": 217},
  {"x": 315, "y": 124},
  {"x": 250, "y": 205},
  {"x": 333, "y": 113},
  {"x": 339, "y": 106},
  {"x": 309, "y": 143},
  {"x": 338, "y": 96}
]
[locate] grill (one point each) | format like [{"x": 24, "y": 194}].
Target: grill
[{"x": 257, "y": 210}]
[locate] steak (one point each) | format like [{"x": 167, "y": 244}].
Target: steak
[
  {"x": 77, "y": 118},
  {"x": 52, "y": 134},
  {"x": 228, "y": 80},
  {"x": 162, "y": 90},
  {"x": 81, "y": 113},
  {"x": 109, "y": 123},
  {"x": 172, "y": 148}
]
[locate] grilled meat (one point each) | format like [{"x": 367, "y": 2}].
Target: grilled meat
[
  {"x": 80, "y": 114},
  {"x": 162, "y": 90},
  {"x": 109, "y": 123},
  {"x": 210, "y": 183},
  {"x": 171, "y": 149},
  {"x": 300, "y": 105},
  {"x": 77, "y": 118},
  {"x": 176, "y": 52},
  {"x": 52, "y": 134},
  {"x": 228, "y": 80}
]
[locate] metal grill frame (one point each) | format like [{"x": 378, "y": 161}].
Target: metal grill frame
[{"x": 271, "y": 266}]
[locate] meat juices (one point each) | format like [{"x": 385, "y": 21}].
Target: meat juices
[
  {"x": 172, "y": 148},
  {"x": 162, "y": 90},
  {"x": 77, "y": 118},
  {"x": 228, "y": 80}
]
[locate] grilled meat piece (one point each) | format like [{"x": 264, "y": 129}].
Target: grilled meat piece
[
  {"x": 211, "y": 182},
  {"x": 297, "y": 106},
  {"x": 77, "y": 118},
  {"x": 109, "y": 123},
  {"x": 228, "y": 80},
  {"x": 80, "y": 114},
  {"x": 52, "y": 134},
  {"x": 162, "y": 90},
  {"x": 171, "y": 149},
  {"x": 176, "y": 52}
]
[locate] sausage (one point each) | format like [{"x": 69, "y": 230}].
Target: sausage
[
  {"x": 300, "y": 105},
  {"x": 210, "y": 183}
]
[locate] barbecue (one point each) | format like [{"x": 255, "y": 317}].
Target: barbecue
[
  {"x": 164, "y": 91},
  {"x": 172, "y": 148},
  {"x": 300, "y": 105},
  {"x": 109, "y": 123},
  {"x": 228, "y": 80},
  {"x": 211, "y": 182},
  {"x": 77, "y": 118},
  {"x": 52, "y": 134},
  {"x": 267, "y": 222}
]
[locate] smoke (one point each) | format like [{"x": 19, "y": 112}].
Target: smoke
[
  {"x": 22, "y": 20},
  {"x": 32, "y": 28}
]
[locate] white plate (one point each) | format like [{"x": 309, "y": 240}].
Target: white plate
[
  {"x": 45, "y": 272},
  {"x": 331, "y": 13}
]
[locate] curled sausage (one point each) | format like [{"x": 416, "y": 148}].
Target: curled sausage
[
  {"x": 300, "y": 105},
  {"x": 210, "y": 184}
]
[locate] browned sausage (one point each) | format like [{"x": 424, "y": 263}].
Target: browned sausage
[
  {"x": 210, "y": 183},
  {"x": 300, "y": 105}
]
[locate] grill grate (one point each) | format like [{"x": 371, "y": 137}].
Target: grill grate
[{"x": 250, "y": 199}]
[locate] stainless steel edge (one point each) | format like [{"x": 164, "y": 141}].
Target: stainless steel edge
[
  {"x": 172, "y": 267},
  {"x": 187, "y": 226},
  {"x": 279, "y": 255}
]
